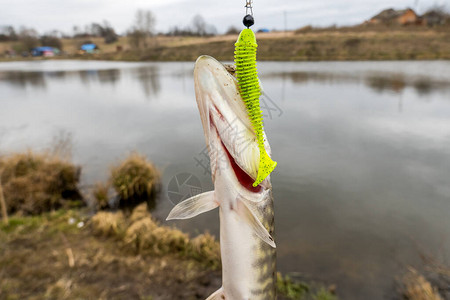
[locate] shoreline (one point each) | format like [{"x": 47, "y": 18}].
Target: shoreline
[
  {"x": 53, "y": 244},
  {"x": 313, "y": 45},
  {"x": 116, "y": 254}
]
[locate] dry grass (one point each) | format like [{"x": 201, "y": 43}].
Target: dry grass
[
  {"x": 417, "y": 287},
  {"x": 146, "y": 236},
  {"x": 139, "y": 212},
  {"x": 34, "y": 264},
  {"x": 5, "y": 218},
  {"x": 295, "y": 290},
  {"x": 143, "y": 235},
  {"x": 101, "y": 195},
  {"x": 135, "y": 179},
  {"x": 308, "y": 46},
  {"x": 108, "y": 224},
  {"x": 37, "y": 182},
  {"x": 350, "y": 43},
  {"x": 437, "y": 272},
  {"x": 205, "y": 247}
]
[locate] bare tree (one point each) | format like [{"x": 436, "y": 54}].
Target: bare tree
[
  {"x": 109, "y": 33},
  {"x": 437, "y": 15},
  {"x": 51, "y": 39},
  {"x": 199, "y": 25},
  {"x": 232, "y": 30},
  {"x": 145, "y": 22},
  {"x": 8, "y": 33},
  {"x": 136, "y": 38},
  {"x": 76, "y": 30},
  {"x": 142, "y": 29},
  {"x": 28, "y": 38},
  {"x": 211, "y": 30}
]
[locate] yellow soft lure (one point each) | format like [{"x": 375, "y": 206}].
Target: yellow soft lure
[{"x": 245, "y": 60}]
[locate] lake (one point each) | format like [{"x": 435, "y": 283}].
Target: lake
[{"x": 362, "y": 186}]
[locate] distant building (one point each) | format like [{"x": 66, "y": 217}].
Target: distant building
[
  {"x": 391, "y": 16},
  {"x": 88, "y": 48},
  {"x": 44, "y": 51}
]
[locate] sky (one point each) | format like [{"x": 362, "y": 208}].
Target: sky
[{"x": 63, "y": 15}]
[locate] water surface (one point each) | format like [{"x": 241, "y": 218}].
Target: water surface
[{"x": 363, "y": 177}]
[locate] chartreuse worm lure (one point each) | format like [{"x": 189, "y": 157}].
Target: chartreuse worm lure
[{"x": 247, "y": 78}]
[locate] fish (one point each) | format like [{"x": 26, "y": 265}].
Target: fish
[{"x": 247, "y": 245}]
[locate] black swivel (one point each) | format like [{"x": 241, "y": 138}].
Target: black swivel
[{"x": 248, "y": 21}]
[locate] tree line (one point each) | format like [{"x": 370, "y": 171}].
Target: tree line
[{"x": 140, "y": 34}]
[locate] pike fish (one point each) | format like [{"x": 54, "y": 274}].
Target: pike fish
[{"x": 246, "y": 212}]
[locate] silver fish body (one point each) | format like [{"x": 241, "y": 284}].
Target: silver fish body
[{"x": 246, "y": 212}]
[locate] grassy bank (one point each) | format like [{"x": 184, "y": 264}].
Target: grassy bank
[
  {"x": 58, "y": 256},
  {"x": 303, "y": 45},
  {"x": 67, "y": 255},
  {"x": 51, "y": 250},
  {"x": 72, "y": 253},
  {"x": 33, "y": 183},
  {"x": 311, "y": 46}
]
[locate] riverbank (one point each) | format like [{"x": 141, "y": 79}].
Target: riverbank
[
  {"x": 58, "y": 255},
  {"x": 302, "y": 45},
  {"x": 67, "y": 254},
  {"x": 71, "y": 254},
  {"x": 51, "y": 250}
]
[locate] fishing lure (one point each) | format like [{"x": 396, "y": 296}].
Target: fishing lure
[{"x": 247, "y": 78}]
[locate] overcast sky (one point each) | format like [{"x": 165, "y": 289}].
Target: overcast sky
[{"x": 45, "y": 15}]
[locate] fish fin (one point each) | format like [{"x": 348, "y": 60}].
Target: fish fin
[
  {"x": 193, "y": 206},
  {"x": 217, "y": 295},
  {"x": 246, "y": 211}
]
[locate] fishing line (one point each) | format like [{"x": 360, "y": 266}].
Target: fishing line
[{"x": 248, "y": 7}]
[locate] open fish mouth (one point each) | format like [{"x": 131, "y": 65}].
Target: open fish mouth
[
  {"x": 242, "y": 176},
  {"x": 226, "y": 124}
]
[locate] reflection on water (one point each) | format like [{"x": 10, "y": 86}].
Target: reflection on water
[
  {"x": 147, "y": 76},
  {"x": 108, "y": 76},
  {"x": 149, "y": 79},
  {"x": 359, "y": 187},
  {"x": 23, "y": 79},
  {"x": 380, "y": 83}
]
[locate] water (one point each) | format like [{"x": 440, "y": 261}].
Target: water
[{"x": 362, "y": 185}]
